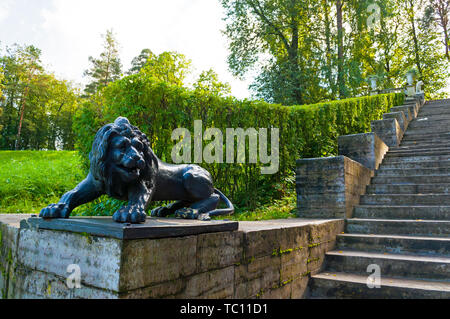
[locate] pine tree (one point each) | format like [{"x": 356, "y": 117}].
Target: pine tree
[{"x": 105, "y": 69}]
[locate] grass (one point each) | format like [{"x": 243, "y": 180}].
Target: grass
[
  {"x": 30, "y": 180},
  {"x": 279, "y": 209}
]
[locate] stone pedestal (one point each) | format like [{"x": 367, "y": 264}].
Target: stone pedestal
[{"x": 268, "y": 259}]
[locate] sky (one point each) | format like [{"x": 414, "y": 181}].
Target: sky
[{"x": 69, "y": 31}]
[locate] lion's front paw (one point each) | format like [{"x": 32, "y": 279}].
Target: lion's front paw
[
  {"x": 128, "y": 214},
  {"x": 187, "y": 213},
  {"x": 55, "y": 211}
]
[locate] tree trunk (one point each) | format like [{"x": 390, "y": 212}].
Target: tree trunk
[
  {"x": 293, "y": 60},
  {"x": 414, "y": 34},
  {"x": 328, "y": 51},
  {"x": 340, "y": 43}
]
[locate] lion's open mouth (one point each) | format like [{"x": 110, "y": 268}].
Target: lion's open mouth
[{"x": 131, "y": 172}]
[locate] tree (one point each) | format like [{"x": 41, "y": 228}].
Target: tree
[
  {"x": 140, "y": 61},
  {"x": 208, "y": 82},
  {"x": 105, "y": 69},
  {"x": 170, "y": 67},
  {"x": 37, "y": 108},
  {"x": 29, "y": 59},
  {"x": 2, "y": 76},
  {"x": 439, "y": 10}
]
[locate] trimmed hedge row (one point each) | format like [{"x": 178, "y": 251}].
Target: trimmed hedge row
[{"x": 305, "y": 131}]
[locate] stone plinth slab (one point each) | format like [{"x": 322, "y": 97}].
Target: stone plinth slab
[{"x": 152, "y": 228}]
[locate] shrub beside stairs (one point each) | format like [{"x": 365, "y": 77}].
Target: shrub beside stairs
[{"x": 402, "y": 223}]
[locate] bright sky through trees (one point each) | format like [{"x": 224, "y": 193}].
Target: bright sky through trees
[{"x": 69, "y": 31}]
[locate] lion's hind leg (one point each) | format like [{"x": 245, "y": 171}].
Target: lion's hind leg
[
  {"x": 170, "y": 209},
  {"x": 200, "y": 209}
]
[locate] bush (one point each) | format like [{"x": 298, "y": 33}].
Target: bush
[{"x": 158, "y": 108}]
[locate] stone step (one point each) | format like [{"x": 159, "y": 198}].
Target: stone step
[
  {"x": 416, "y": 165},
  {"x": 404, "y": 245},
  {"x": 437, "y": 110},
  {"x": 411, "y": 171},
  {"x": 405, "y": 199},
  {"x": 391, "y": 265},
  {"x": 428, "y": 228},
  {"x": 416, "y": 136},
  {"x": 408, "y": 189},
  {"x": 419, "y": 152},
  {"x": 416, "y": 179},
  {"x": 351, "y": 286},
  {"x": 425, "y": 143},
  {"x": 402, "y": 212},
  {"x": 415, "y": 159},
  {"x": 426, "y": 121},
  {"x": 421, "y": 147},
  {"x": 434, "y": 117},
  {"x": 427, "y": 130}
]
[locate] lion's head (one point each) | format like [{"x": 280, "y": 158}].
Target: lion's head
[{"x": 121, "y": 156}]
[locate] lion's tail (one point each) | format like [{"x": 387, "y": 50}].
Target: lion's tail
[{"x": 224, "y": 211}]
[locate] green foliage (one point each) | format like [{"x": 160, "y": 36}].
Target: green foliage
[
  {"x": 30, "y": 180},
  {"x": 46, "y": 103},
  {"x": 158, "y": 108},
  {"x": 105, "y": 69},
  {"x": 169, "y": 67},
  {"x": 303, "y": 52},
  {"x": 208, "y": 83},
  {"x": 140, "y": 61},
  {"x": 2, "y": 76}
]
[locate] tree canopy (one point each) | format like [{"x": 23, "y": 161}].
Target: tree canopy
[{"x": 308, "y": 51}]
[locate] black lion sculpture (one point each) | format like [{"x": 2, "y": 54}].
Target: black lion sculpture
[{"x": 124, "y": 167}]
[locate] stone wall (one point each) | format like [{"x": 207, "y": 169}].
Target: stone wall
[
  {"x": 330, "y": 187},
  {"x": 268, "y": 259}
]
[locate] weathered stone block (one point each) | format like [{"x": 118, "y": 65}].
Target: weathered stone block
[
  {"x": 400, "y": 117},
  {"x": 33, "y": 284},
  {"x": 147, "y": 262},
  {"x": 388, "y": 131},
  {"x": 52, "y": 252},
  {"x": 410, "y": 111},
  {"x": 216, "y": 284},
  {"x": 259, "y": 274},
  {"x": 367, "y": 149},
  {"x": 218, "y": 250},
  {"x": 339, "y": 196},
  {"x": 9, "y": 234}
]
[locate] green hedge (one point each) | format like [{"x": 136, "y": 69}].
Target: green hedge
[{"x": 305, "y": 131}]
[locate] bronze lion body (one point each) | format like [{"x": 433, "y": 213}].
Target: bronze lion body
[{"x": 123, "y": 166}]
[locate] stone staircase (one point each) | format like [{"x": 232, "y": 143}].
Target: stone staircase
[{"x": 402, "y": 223}]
